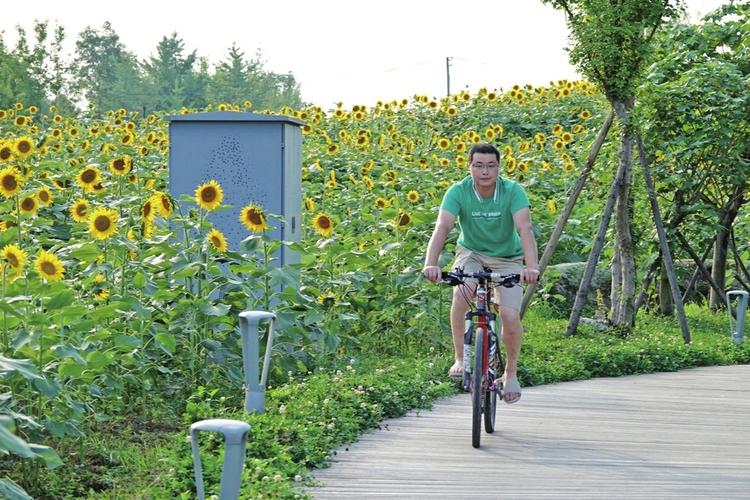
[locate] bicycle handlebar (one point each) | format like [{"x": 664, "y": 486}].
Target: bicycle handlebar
[{"x": 458, "y": 277}]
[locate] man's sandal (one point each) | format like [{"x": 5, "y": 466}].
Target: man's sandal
[{"x": 511, "y": 390}]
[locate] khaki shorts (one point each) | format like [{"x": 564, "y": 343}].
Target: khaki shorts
[{"x": 473, "y": 262}]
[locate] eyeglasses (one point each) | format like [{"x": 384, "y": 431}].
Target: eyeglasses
[{"x": 480, "y": 166}]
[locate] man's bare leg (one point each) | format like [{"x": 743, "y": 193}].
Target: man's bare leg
[
  {"x": 512, "y": 334},
  {"x": 459, "y": 307}
]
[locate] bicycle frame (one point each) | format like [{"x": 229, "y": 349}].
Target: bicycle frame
[{"x": 486, "y": 319}]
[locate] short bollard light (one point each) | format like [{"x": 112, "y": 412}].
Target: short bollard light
[
  {"x": 255, "y": 389},
  {"x": 235, "y": 437},
  {"x": 737, "y": 334}
]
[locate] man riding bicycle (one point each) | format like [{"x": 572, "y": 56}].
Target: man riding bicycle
[{"x": 496, "y": 233}]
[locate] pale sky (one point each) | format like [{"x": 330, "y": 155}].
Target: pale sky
[{"x": 339, "y": 50}]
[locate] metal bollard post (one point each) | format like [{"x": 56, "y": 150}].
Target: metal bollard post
[
  {"x": 738, "y": 334},
  {"x": 235, "y": 438},
  {"x": 255, "y": 390}
]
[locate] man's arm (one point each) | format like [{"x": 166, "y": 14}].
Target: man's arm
[
  {"x": 443, "y": 226},
  {"x": 522, "y": 220}
]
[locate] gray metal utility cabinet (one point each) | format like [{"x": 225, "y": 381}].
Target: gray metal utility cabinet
[{"x": 255, "y": 158}]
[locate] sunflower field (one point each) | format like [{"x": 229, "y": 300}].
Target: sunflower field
[{"x": 116, "y": 295}]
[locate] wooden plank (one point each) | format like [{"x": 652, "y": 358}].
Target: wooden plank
[{"x": 664, "y": 435}]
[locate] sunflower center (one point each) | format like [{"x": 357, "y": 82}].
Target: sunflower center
[
  {"x": 147, "y": 209},
  {"x": 9, "y": 182},
  {"x": 81, "y": 210},
  {"x": 208, "y": 194},
  {"x": 215, "y": 241},
  {"x": 119, "y": 164},
  {"x": 12, "y": 259},
  {"x": 166, "y": 203},
  {"x": 403, "y": 219},
  {"x": 88, "y": 176},
  {"x": 4, "y": 153},
  {"x": 324, "y": 223},
  {"x": 255, "y": 217},
  {"x": 44, "y": 196},
  {"x": 102, "y": 223},
  {"x": 24, "y": 146},
  {"x": 48, "y": 268},
  {"x": 27, "y": 204}
]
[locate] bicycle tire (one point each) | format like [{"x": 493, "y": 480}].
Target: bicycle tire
[
  {"x": 490, "y": 397},
  {"x": 477, "y": 390}
]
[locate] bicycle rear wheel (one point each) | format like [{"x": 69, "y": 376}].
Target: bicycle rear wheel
[
  {"x": 477, "y": 389},
  {"x": 490, "y": 396}
]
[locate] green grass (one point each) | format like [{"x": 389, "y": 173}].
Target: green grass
[{"x": 308, "y": 418}]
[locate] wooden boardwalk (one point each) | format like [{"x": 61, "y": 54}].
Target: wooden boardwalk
[{"x": 663, "y": 435}]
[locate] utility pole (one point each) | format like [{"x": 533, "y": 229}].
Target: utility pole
[{"x": 448, "y": 74}]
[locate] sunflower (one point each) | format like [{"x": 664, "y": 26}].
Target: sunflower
[
  {"x": 23, "y": 147},
  {"x": 28, "y": 205},
  {"x": 253, "y": 218},
  {"x": 444, "y": 143},
  {"x": 585, "y": 115},
  {"x": 209, "y": 195},
  {"x": 217, "y": 240},
  {"x": 322, "y": 224},
  {"x": 10, "y": 181},
  {"x": 327, "y": 299},
  {"x": 20, "y": 121},
  {"x": 6, "y": 151},
  {"x": 567, "y": 137},
  {"x": 368, "y": 182},
  {"x": 403, "y": 220},
  {"x": 44, "y": 195},
  {"x": 412, "y": 196},
  {"x": 89, "y": 177},
  {"x": 147, "y": 210},
  {"x": 557, "y": 129},
  {"x": 309, "y": 204},
  {"x": 559, "y": 144},
  {"x": 551, "y": 206},
  {"x": 121, "y": 166},
  {"x": 382, "y": 202},
  {"x": 102, "y": 295},
  {"x": 163, "y": 204},
  {"x": 48, "y": 266},
  {"x": 103, "y": 223},
  {"x": 13, "y": 256}
]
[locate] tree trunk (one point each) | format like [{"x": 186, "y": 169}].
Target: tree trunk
[
  {"x": 615, "y": 269},
  {"x": 721, "y": 247},
  {"x": 623, "y": 311},
  {"x": 549, "y": 249},
  {"x": 666, "y": 304},
  {"x": 596, "y": 250},
  {"x": 719, "y": 268}
]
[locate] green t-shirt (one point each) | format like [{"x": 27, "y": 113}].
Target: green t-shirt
[{"x": 487, "y": 224}]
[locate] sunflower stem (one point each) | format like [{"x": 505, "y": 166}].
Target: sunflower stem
[
  {"x": 18, "y": 220},
  {"x": 5, "y": 317}
]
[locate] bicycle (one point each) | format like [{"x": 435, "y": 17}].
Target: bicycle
[{"x": 483, "y": 382}]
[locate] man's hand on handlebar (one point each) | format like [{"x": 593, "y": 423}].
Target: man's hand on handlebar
[
  {"x": 530, "y": 275},
  {"x": 432, "y": 273}
]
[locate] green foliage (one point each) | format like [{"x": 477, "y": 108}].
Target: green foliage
[
  {"x": 611, "y": 40},
  {"x": 309, "y": 416}
]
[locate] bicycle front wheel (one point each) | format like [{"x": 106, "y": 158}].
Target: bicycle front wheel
[
  {"x": 477, "y": 389},
  {"x": 490, "y": 396}
]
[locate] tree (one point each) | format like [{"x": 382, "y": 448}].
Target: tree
[
  {"x": 16, "y": 84},
  {"x": 236, "y": 80},
  {"x": 696, "y": 110},
  {"x": 172, "y": 81},
  {"x": 44, "y": 63},
  {"x": 106, "y": 74},
  {"x": 611, "y": 43}
]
